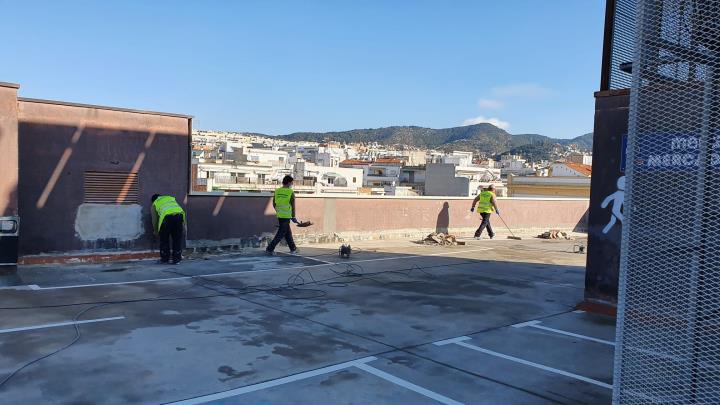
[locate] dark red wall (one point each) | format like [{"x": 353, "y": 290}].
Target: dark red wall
[
  {"x": 50, "y": 228},
  {"x": 217, "y": 217}
]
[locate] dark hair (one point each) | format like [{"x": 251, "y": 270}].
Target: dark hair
[
  {"x": 287, "y": 180},
  {"x": 154, "y": 197}
]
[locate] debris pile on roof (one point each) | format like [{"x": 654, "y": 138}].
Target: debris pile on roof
[
  {"x": 443, "y": 239},
  {"x": 555, "y": 234}
]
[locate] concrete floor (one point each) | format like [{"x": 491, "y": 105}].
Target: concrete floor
[{"x": 489, "y": 322}]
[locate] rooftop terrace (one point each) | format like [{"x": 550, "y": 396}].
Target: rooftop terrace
[{"x": 399, "y": 322}]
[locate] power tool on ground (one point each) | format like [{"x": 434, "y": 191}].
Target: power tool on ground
[{"x": 345, "y": 251}]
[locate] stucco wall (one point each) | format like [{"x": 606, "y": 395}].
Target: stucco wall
[
  {"x": 59, "y": 142},
  {"x": 244, "y": 219},
  {"x": 8, "y": 149}
]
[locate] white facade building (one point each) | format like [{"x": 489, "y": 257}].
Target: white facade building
[
  {"x": 515, "y": 165},
  {"x": 329, "y": 180},
  {"x": 443, "y": 179},
  {"x": 459, "y": 158}
]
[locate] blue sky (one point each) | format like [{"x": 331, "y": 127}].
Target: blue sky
[{"x": 277, "y": 67}]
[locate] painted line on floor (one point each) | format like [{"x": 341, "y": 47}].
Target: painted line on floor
[
  {"x": 54, "y": 325},
  {"x": 21, "y": 287},
  {"x": 313, "y": 259},
  {"x": 408, "y": 385},
  {"x": 537, "y": 325},
  {"x": 460, "y": 341},
  {"x": 273, "y": 383},
  {"x": 229, "y": 273},
  {"x": 250, "y": 259},
  {"x": 158, "y": 280}
]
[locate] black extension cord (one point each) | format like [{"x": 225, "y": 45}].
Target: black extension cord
[{"x": 351, "y": 270}]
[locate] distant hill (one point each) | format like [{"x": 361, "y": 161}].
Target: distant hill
[
  {"x": 583, "y": 141},
  {"x": 485, "y": 138}
]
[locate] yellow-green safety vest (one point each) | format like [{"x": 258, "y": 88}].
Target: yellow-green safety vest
[
  {"x": 283, "y": 209},
  {"x": 485, "y": 203},
  {"x": 166, "y": 205}
]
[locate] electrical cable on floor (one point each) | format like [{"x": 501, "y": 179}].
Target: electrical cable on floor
[
  {"x": 407, "y": 349},
  {"x": 532, "y": 249},
  {"x": 77, "y": 337},
  {"x": 355, "y": 251},
  {"x": 296, "y": 279},
  {"x": 351, "y": 270}
]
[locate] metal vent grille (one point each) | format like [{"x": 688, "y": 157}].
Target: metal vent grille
[
  {"x": 668, "y": 343},
  {"x": 111, "y": 188}
]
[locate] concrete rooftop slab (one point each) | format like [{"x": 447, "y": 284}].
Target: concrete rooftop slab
[{"x": 246, "y": 328}]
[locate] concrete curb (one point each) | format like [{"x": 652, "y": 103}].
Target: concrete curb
[{"x": 87, "y": 258}]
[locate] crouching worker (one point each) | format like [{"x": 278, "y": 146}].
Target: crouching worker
[
  {"x": 284, "y": 204},
  {"x": 168, "y": 220}
]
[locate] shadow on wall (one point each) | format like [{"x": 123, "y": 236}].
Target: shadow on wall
[
  {"x": 84, "y": 174},
  {"x": 443, "y": 219},
  {"x": 245, "y": 221},
  {"x": 582, "y": 225}
]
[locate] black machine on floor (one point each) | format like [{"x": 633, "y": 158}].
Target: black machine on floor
[{"x": 345, "y": 251}]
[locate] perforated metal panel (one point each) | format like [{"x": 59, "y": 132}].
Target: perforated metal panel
[
  {"x": 623, "y": 42},
  {"x": 668, "y": 343}
]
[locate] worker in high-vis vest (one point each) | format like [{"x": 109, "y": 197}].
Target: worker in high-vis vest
[
  {"x": 168, "y": 220},
  {"x": 486, "y": 206},
  {"x": 284, "y": 204}
]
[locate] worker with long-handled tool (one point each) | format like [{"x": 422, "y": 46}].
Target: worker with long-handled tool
[
  {"x": 487, "y": 205},
  {"x": 284, "y": 204}
]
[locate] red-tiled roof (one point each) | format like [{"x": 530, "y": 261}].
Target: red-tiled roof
[{"x": 585, "y": 170}]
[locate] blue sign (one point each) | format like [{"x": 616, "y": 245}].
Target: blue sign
[{"x": 674, "y": 152}]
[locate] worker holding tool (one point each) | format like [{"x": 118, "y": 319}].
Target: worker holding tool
[
  {"x": 487, "y": 204},
  {"x": 284, "y": 204},
  {"x": 168, "y": 220}
]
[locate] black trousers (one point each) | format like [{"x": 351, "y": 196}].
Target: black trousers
[
  {"x": 171, "y": 228},
  {"x": 485, "y": 224},
  {"x": 283, "y": 231}
]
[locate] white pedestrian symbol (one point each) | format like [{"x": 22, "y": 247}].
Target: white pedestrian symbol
[{"x": 617, "y": 199}]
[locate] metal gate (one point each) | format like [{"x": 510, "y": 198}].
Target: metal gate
[{"x": 668, "y": 340}]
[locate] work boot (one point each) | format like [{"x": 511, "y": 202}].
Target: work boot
[
  {"x": 269, "y": 253},
  {"x": 478, "y": 237},
  {"x": 294, "y": 252}
]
